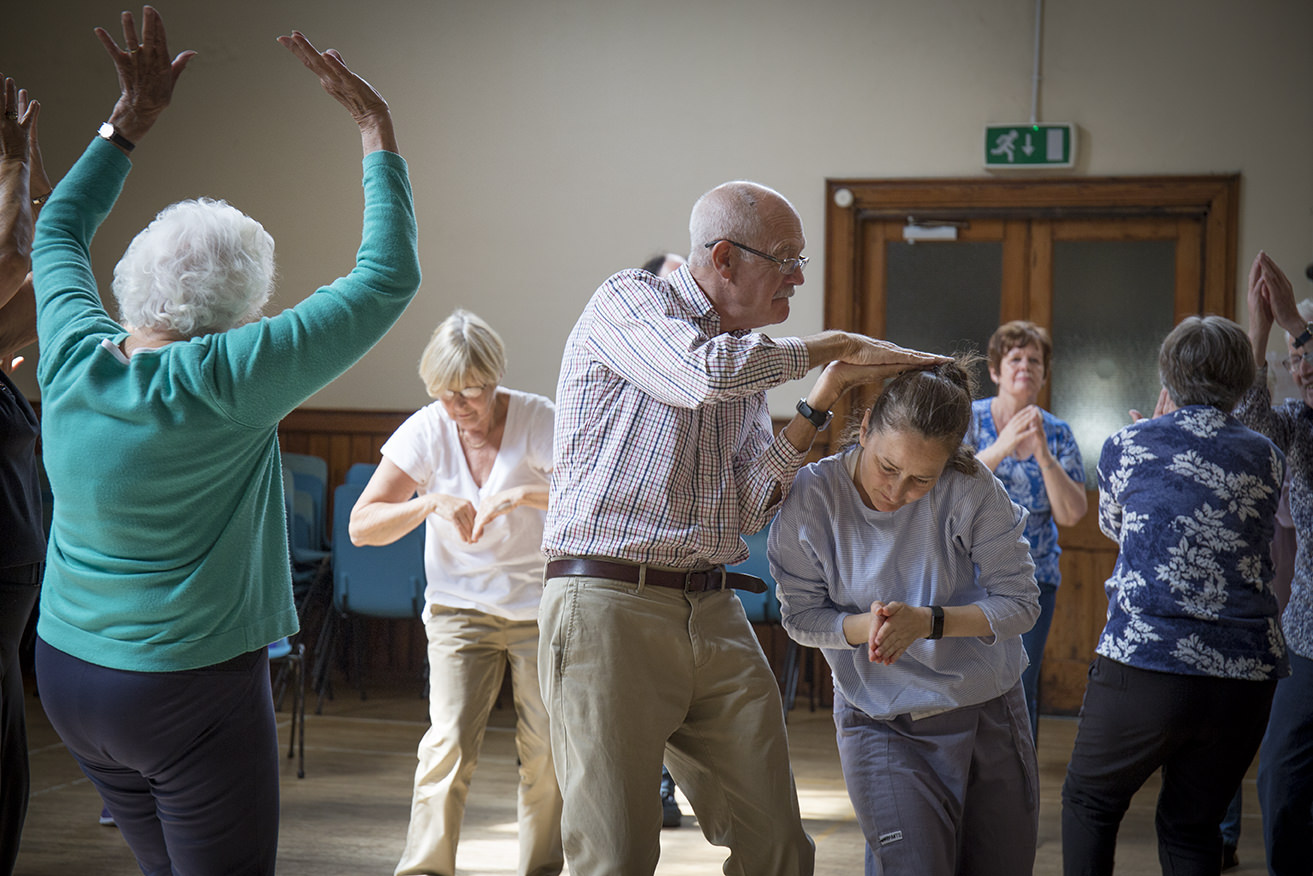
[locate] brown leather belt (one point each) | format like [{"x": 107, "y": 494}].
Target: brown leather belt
[{"x": 693, "y": 581}]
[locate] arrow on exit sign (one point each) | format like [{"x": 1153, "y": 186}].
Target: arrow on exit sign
[{"x": 1030, "y": 146}]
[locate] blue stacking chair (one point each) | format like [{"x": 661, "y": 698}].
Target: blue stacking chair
[
  {"x": 764, "y": 608},
  {"x": 384, "y": 582},
  {"x": 310, "y": 474},
  {"x": 360, "y": 472}
]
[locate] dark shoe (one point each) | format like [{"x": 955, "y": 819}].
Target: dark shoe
[
  {"x": 1230, "y": 860},
  {"x": 670, "y": 814},
  {"x": 105, "y": 818}
]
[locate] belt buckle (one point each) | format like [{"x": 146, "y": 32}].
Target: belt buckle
[{"x": 706, "y": 579}]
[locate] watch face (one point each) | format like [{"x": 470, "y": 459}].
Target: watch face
[{"x": 106, "y": 130}]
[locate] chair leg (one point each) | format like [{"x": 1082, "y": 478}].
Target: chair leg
[{"x": 298, "y": 712}]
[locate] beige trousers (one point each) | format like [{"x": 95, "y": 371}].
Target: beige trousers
[
  {"x": 632, "y": 675},
  {"x": 468, "y": 652}
]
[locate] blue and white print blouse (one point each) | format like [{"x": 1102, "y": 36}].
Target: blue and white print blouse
[
  {"x": 1025, "y": 482},
  {"x": 1190, "y": 497}
]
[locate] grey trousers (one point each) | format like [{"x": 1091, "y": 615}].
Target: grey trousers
[{"x": 955, "y": 794}]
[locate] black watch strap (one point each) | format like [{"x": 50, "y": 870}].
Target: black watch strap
[
  {"x": 111, "y": 133},
  {"x": 819, "y": 419},
  {"x": 1305, "y": 336},
  {"x": 936, "y": 622}
]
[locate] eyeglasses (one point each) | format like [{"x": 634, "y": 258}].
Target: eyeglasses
[
  {"x": 469, "y": 393},
  {"x": 1296, "y": 360},
  {"x": 787, "y": 266}
]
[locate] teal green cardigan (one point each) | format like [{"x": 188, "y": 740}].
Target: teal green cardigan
[{"x": 168, "y": 549}]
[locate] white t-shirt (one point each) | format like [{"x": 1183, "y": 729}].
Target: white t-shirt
[{"x": 501, "y": 573}]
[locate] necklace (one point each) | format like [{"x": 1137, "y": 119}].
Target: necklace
[{"x": 469, "y": 442}]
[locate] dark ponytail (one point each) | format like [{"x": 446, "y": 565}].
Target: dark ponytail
[{"x": 934, "y": 403}]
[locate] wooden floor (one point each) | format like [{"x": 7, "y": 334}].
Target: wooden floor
[{"x": 348, "y": 815}]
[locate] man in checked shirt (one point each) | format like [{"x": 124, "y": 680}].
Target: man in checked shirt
[{"x": 664, "y": 456}]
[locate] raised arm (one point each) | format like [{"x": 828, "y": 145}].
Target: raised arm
[
  {"x": 15, "y": 189},
  {"x": 367, "y": 107},
  {"x": 853, "y": 360},
  {"x": 147, "y": 75}
]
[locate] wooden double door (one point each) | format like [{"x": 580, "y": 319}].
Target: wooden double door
[{"x": 1109, "y": 266}]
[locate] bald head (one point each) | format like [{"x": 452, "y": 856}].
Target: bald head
[{"x": 737, "y": 210}]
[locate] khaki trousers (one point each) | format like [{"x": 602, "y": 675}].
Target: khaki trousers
[
  {"x": 468, "y": 652},
  {"x": 632, "y": 675}
]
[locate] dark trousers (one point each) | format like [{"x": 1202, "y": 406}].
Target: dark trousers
[
  {"x": 1285, "y": 774},
  {"x": 16, "y": 601},
  {"x": 187, "y": 762},
  {"x": 1200, "y": 730}
]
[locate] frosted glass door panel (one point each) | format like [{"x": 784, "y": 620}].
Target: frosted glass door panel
[
  {"x": 1112, "y": 307},
  {"x": 944, "y": 297}
]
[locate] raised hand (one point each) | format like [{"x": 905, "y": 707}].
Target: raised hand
[
  {"x": 147, "y": 73},
  {"x": 367, "y": 107},
  {"x": 1279, "y": 295},
  {"x": 18, "y": 121},
  {"x": 28, "y": 110},
  {"x": 1024, "y": 433},
  {"x": 871, "y": 351}
]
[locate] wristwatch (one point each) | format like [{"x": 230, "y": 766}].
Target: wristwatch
[
  {"x": 1305, "y": 336},
  {"x": 819, "y": 419},
  {"x": 110, "y": 133},
  {"x": 936, "y": 622}
]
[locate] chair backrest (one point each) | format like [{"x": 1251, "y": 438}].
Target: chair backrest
[
  {"x": 310, "y": 473},
  {"x": 304, "y": 463},
  {"x": 360, "y": 472},
  {"x": 304, "y": 531},
  {"x": 316, "y": 493},
  {"x": 384, "y": 581},
  {"x": 759, "y": 607}
]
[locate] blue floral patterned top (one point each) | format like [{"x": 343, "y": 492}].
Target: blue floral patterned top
[
  {"x": 1290, "y": 426},
  {"x": 1025, "y": 483},
  {"x": 1190, "y": 499}
]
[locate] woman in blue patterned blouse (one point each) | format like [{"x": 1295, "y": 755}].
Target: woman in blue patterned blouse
[
  {"x": 1190, "y": 655},
  {"x": 1285, "y": 772},
  {"x": 1035, "y": 455}
]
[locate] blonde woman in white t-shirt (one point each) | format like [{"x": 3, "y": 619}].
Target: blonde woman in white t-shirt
[{"x": 473, "y": 468}]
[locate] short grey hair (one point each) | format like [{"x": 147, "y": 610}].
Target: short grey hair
[
  {"x": 731, "y": 211},
  {"x": 1206, "y": 360},
  {"x": 463, "y": 348},
  {"x": 201, "y": 266}
]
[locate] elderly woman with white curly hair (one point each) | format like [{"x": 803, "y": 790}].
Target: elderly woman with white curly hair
[{"x": 167, "y": 571}]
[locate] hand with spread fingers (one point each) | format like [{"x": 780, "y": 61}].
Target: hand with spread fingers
[
  {"x": 17, "y": 146},
  {"x": 16, "y": 127},
  {"x": 147, "y": 74},
  {"x": 367, "y": 107}
]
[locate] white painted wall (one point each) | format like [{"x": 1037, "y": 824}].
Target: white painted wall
[{"x": 552, "y": 142}]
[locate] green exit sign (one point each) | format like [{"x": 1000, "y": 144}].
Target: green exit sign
[{"x": 1029, "y": 146}]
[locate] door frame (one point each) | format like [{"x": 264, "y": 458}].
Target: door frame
[{"x": 1211, "y": 199}]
